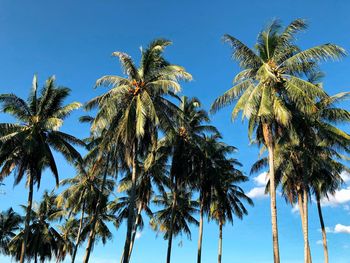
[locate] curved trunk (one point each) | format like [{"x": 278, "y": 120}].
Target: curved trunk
[
  {"x": 220, "y": 243},
  {"x": 302, "y": 217},
  {"x": 324, "y": 235},
  {"x": 27, "y": 220},
  {"x": 95, "y": 216},
  {"x": 200, "y": 238},
  {"x": 267, "y": 133},
  {"x": 131, "y": 211},
  {"x": 170, "y": 240},
  {"x": 77, "y": 241}
]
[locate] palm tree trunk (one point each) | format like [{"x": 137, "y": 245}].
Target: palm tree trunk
[
  {"x": 267, "y": 133},
  {"x": 134, "y": 231},
  {"x": 170, "y": 240},
  {"x": 324, "y": 235},
  {"x": 95, "y": 216},
  {"x": 220, "y": 243},
  {"x": 306, "y": 227},
  {"x": 77, "y": 241},
  {"x": 200, "y": 238},
  {"x": 27, "y": 220},
  {"x": 89, "y": 244},
  {"x": 302, "y": 217},
  {"x": 131, "y": 211}
]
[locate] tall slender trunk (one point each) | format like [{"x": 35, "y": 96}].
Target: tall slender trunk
[
  {"x": 131, "y": 212},
  {"x": 27, "y": 220},
  {"x": 172, "y": 219},
  {"x": 306, "y": 227},
  {"x": 200, "y": 237},
  {"x": 134, "y": 231},
  {"x": 267, "y": 133},
  {"x": 220, "y": 243},
  {"x": 77, "y": 241},
  {"x": 324, "y": 235},
  {"x": 95, "y": 216},
  {"x": 302, "y": 217}
]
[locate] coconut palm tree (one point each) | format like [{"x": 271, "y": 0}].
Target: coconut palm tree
[
  {"x": 44, "y": 239},
  {"x": 213, "y": 154},
  {"x": 68, "y": 231},
  {"x": 9, "y": 224},
  {"x": 83, "y": 195},
  {"x": 135, "y": 108},
  {"x": 152, "y": 172},
  {"x": 272, "y": 76},
  {"x": 227, "y": 197},
  {"x": 183, "y": 214},
  {"x": 308, "y": 160},
  {"x": 183, "y": 146},
  {"x": 27, "y": 145}
]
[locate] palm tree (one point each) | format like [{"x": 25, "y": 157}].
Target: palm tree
[
  {"x": 135, "y": 108},
  {"x": 27, "y": 145},
  {"x": 271, "y": 77},
  {"x": 227, "y": 197},
  {"x": 152, "y": 172},
  {"x": 83, "y": 195},
  {"x": 182, "y": 214},
  {"x": 44, "y": 239},
  {"x": 184, "y": 145},
  {"x": 68, "y": 232},
  {"x": 77, "y": 198},
  {"x": 9, "y": 223},
  {"x": 210, "y": 160},
  {"x": 307, "y": 161}
]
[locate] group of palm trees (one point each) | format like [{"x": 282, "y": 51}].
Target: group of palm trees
[{"x": 154, "y": 154}]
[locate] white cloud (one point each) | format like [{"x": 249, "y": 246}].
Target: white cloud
[
  {"x": 261, "y": 179},
  {"x": 319, "y": 242},
  {"x": 138, "y": 235},
  {"x": 341, "y": 196},
  {"x": 257, "y": 192},
  {"x": 339, "y": 228},
  {"x": 345, "y": 176}
]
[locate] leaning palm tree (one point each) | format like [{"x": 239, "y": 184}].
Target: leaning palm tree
[
  {"x": 135, "y": 108},
  {"x": 27, "y": 145},
  {"x": 183, "y": 215},
  {"x": 272, "y": 76},
  {"x": 9, "y": 224}
]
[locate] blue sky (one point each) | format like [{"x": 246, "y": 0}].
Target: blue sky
[{"x": 74, "y": 41}]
